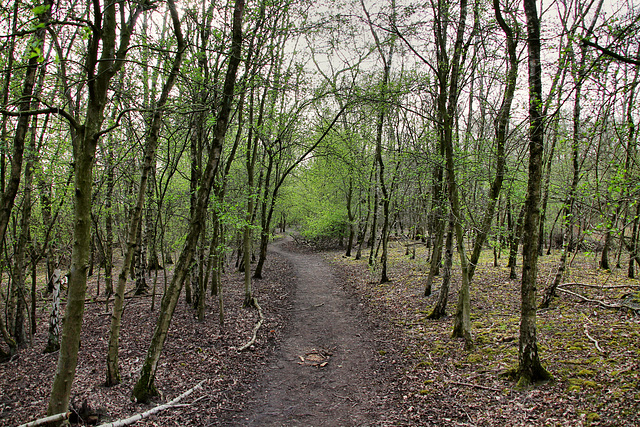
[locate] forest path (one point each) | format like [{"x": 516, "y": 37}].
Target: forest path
[{"x": 325, "y": 370}]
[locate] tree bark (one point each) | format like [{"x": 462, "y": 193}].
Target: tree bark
[
  {"x": 135, "y": 222},
  {"x": 439, "y": 309},
  {"x": 99, "y": 74},
  {"x": 7, "y": 198},
  {"x": 530, "y": 369},
  {"x": 502, "y": 122},
  {"x": 145, "y": 387},
  {"x": 514, "y": 242}
]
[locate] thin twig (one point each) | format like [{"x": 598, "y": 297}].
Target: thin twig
[
  {"x": 593, "y": 340},
  {"x": 475, "y": 386}
]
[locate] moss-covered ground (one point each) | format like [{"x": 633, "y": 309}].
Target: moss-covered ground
[{"x": 592, "y": 351}]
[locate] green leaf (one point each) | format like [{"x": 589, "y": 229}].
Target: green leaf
[{"x": 39, "y": 10}]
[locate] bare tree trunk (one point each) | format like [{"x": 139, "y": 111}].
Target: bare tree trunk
[
  {"x": 514, "y": 243},
  {"x": 363, "y": 234},
  {"x": 108, "y": 221},
  {"x": 145, "y": 387},
  {"x": 501, "y": 125},
  {"x": 100, "y": 71},
  {"x": 7, "y": 198},
  {"x": 351, "y": 217},
  {"x": 439, "y": 310},
  {"x": 439, "y": 226},
  {"x": 53, "y": 343},
  {"x": 151, "y": 144},
  {"x": 529, "y": 368}
]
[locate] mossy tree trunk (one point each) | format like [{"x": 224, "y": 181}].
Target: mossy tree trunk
[
  {"x": 135, "y": 222},
  {"x": 145, "y": 386},
  {"x": 530, "y": 369},
  {"x": 10, "y": 189},
  {"x": 439, "y": 309},
  {"x": 501, "y": 125},
  {"x": 104, "y": 60}
]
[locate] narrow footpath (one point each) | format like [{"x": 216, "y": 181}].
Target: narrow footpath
[{"x": 326, "y": 371}]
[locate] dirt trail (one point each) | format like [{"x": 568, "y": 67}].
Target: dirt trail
[{"x": 326, "y": 371}]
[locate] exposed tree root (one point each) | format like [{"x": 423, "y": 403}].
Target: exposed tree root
[
  {"x": 593, "y": 340},
  {"x": 252, "y": 341}
]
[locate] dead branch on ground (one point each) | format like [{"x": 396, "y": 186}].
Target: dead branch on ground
[
  {"x": 46, "y": 420},
  {"x": 138, "y": 417}
]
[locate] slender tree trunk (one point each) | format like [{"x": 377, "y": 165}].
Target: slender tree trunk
[
  {"x": 529, "y": 368},
  {"x": 514, "y": 244},
  {"x": 365, "y": 226},
  {"x": 502, "y": 121},
  {"x": 53, "y": 342},
  {"x": 374, "y": 221},
  {"x": 448, "y": 106},
  {"x": 151, "y": 144},
  {"x": 19, "y": 262},
  {"x": 546, "y": 186},
  {"x": 265, "y": 221},
  {"x": 7, "y": 198},
  {"x": 9, "y": 55},
  {"x": 145, "y": 387},
  {"x": 439, "y": 310},
  {"x": 108, "y": 221},
  {"x": 633, "y": 247},
  {"x": 439, "y": 228},
  {"x": 351, "y": 217}
]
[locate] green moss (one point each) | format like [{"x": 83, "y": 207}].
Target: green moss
[
  {"x": 581, "y": 383},
  {"x": 576, "y": 361},
  {"x": 474, "y": 358},
  {"x": 490, "y": 351},
  {"x": 586, "y": 373},
  {"x": 424, "y": 392},
  {"x": 591, "y": 417},
  {"x": 382, "y": 352}
]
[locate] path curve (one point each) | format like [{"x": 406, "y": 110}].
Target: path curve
[{"x": 325, "y": 371}]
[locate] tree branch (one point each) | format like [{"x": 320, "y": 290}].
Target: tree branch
[
  {"x": 138, "y": 417},
  {"x": 46, "y": 420},
  {"x": 611, "y": 53},
  {"x": 50, "y": 110}
]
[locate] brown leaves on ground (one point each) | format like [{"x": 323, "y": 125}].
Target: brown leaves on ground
[
  {"x": 593, "y": 352},
  {"x": 193, "y": 352}
]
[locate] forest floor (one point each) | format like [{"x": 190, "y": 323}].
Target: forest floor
[{"x": 339, "y": 348}]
